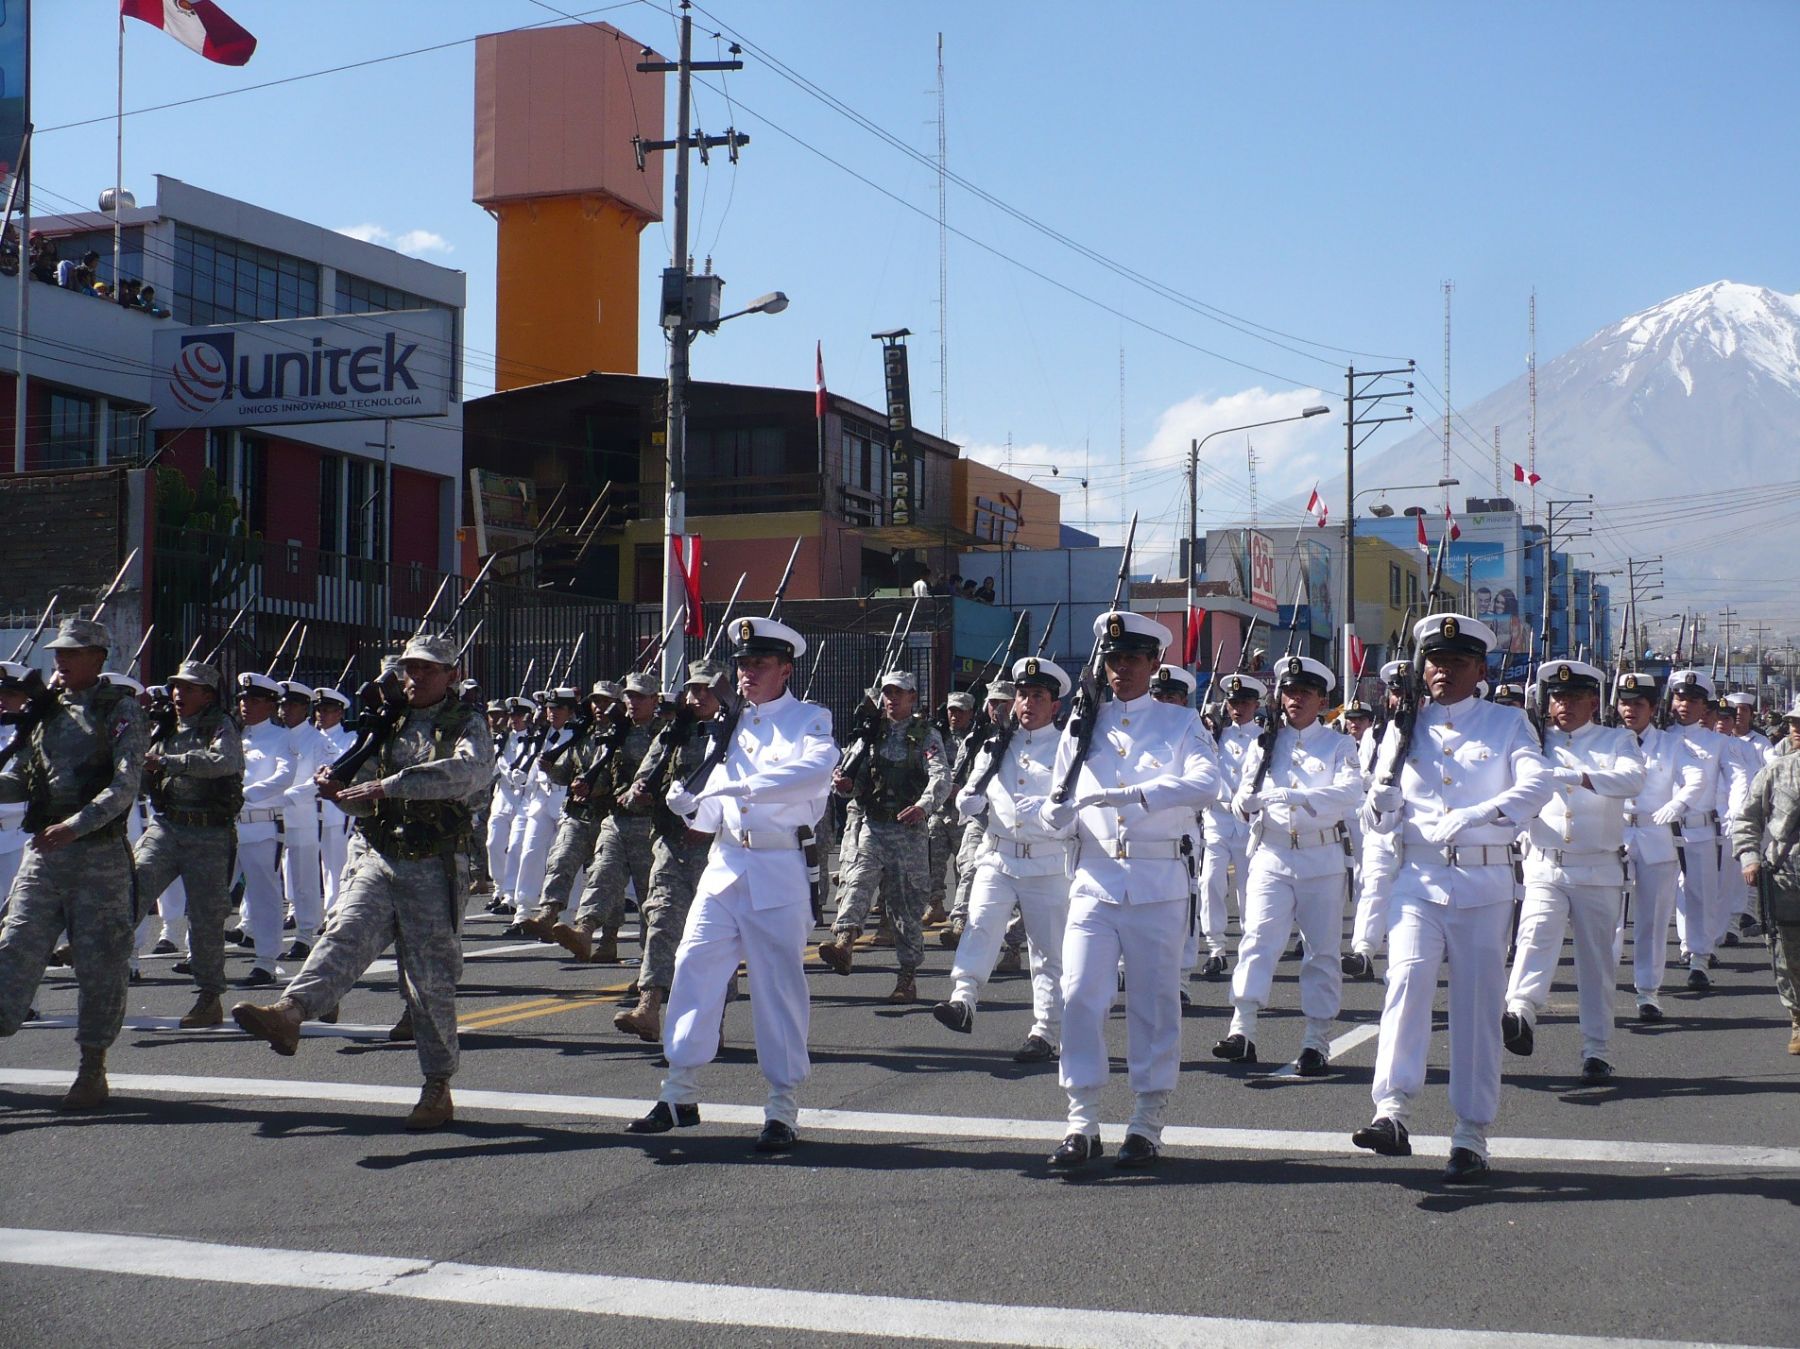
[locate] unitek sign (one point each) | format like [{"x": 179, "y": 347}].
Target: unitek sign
[{"x": 343, "y": 368}]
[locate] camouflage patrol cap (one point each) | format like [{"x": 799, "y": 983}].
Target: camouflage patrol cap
[
  {"x": 704, "y": 674},
  {"x": 1002, "y": 690},
  {"x": 437, "y": 650},
  {"x": 605, "y": 688},
  {"x": 201, "y": 674},
  {"x": 641, "y": 684},
  {"x": 80, "y": 634},
  {"x": 964, "y": 702}
]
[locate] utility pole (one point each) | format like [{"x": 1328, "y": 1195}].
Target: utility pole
[
  {"x": 1362, "y": 390},
  {"x": 1193, "y": 548},
  {"x": 680, "y": 300},
  {"x": 1561, "y": 517},
  {"x": 1760, "y": 631},
  {"x": 1644, "y": 579}
]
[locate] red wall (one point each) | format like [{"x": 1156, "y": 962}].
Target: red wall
[{"x": 415, "y": 518}]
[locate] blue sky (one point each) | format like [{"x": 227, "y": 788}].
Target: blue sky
[{"x": 1317, "y": 169}]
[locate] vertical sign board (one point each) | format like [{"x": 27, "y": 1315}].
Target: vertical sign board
[
  {"x": 15, "y": 66},
  {"x": 1259, "y": 552},
  {"x": 902, "y": 472}
]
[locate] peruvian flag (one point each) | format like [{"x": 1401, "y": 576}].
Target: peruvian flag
[
  {"x": 1191, "y": 652},
  {"x": 1520, "y": 475},
  {"x": 1424, "y": 543},
  {"x": 685, "y": 549},
  {"x": 199, "y": 25},
  {"x": 819, "y": 381},
  {"x": 1317, "y": 508},
  {"x": 1450, "y": 523}
]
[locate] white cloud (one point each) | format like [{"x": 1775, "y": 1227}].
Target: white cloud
[{"x": 414, "y": 241}]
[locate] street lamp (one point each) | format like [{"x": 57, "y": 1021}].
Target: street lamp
[
  {"x": 682, "y": 319},
  {"x": 1187, "y": 617}
]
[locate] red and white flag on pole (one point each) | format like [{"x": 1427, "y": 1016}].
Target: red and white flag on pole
[
  {"x": 1191, "y": 651},
  {"x": 1520, "y": 475},
  {"x": 819, "y": 385},
  {"x": 199, "y": 25},
  {"x": 1317, "y": 508},
  {"x": 1424, "y": 543},
  {"x": 1451, "y": 525}
]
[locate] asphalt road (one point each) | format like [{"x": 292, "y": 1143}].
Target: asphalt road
[{"x": 1660, "y": 1207}]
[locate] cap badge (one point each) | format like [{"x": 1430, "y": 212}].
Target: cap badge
[
  {"x": 1031, "y": 666},
  {"x": 746, "y": 630},
  {"x": 1294, "y": 666},
  {"x": 1234, "y": 684},
  {"x": 1562, "y": 674},
  {"x": 1628, "y": 682},
  {"x": 1450, "y": 627},
  {"x": 1115, "y": 626}
]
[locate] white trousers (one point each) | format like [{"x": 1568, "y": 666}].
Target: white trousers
[
  {"x": 721, "y": 931},
  {"x": 530, "y": 856},
  {"x": 334, "y": 845},
  {"x": 262, "y": 900},
  {"x": 1148, "y": 937},
  {"x": 1273, "y": 905},
  {"x": 1221, "y": 888},
  {"x": 1422, "y": 936},
  {"x": 1653, "y": 908},
  {"x": 1374, "y": 881},
  {"x": 305, "y": 889},
  {"x": 1698, "y": 902},
  {"x": 1735, "y": 894},
  {"x": 1593, "y": 912},
  {"x": 1044, "y": 902},
  {"x": 499, "y": 836}
]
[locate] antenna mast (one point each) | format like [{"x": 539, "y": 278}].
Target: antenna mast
[
  {"x": 1499, "y": 486},
  {"x": 1250, "y": 453},
  {"x": 1449, "y": 286},
  {"x": 943, "y": 260},
  {"x": 1531, "y": 388}
]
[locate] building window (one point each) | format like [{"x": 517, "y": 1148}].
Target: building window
[
  {"x": 1412, "y": 589},
  {"x": 127, "y": 434},
  {"x": 219, "y": 279},
  {"x": 331, "y": 503},
  {"x": 253, "y": 482},
  {"x": 364, "y": 511},
  {"x": 72, "y": 441},
  {"x": 1393, "y": 585},
  {"x": 359, "y": 295}
]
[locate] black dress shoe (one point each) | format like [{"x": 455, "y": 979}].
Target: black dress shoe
[
  {"x": 1312, "y": 1063},
  {"x": 1036, "y": 1049},
  {"x": 663, "y": 1117},
  {"x": 1135, "y": 1153},
  {"x": 1649, "y": 1011},
  {"x": 1214, "y": 968},
  {"x": 1076, "y": 1150},
  {"x": 1235, "y": 1049},
  {"x": 515, "y": 929},
  {"x": 1298, "y": 953},
  {"x": 1186, "y": 1001},
  {"x": 165, "y": 947},
  {"x": 958, "y": 1016},
  {"x": 1699, "y": 980},
  {"x": 136, "y": 977},
  {"x": 257, "y": 978},
  {"x": 1712, "y": 960},
  {"x": 1595, "y": 1072},
  {"x": 1516, "y": 1034},
  {"x": 182, "y": 967},
  {"x": 776, "y": 1137},
  {"x": 1730, "y": 938},
  {"x": 1384, "y": 1135},
  {"x": 288, "y": 924},
  {"x": 1357, "y": 966},
  {"x": 298, "y": 951},
  {"x": 1466, "y": 1167}
]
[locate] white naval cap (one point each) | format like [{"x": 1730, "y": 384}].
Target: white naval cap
[
  {"x": 1454, "y": 632},
  {"x": 1570, "y": 676},
  {"x": 1304, "y": 670},
  {"x": 13, "y": 673},
  {"x": 1242, "y": 686},
  {"x": 1037, "y": 672},
  {"x": 1122, "y": 630},
  {"x": 1170, "y": 675},
  {"x": 1793, "y": 713},
  {"x": 1631, "y": 684},
  {"x": 899, "y": 679},
  {"x": 766, "y": 636},
  {"x": 1392, "y": 671},
  {"x": 333, "y": 696},
  {"x": 298, "y": 692},
  {"x": 1691, "y": 682},
  {"x": 253, "y": 685},
  {"x": 564, "y": 696},
  {"x": 123, "y": 681},
  {"x": 1741, "y": 699}
]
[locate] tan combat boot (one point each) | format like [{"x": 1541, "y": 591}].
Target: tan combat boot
[
  {"x": 950, "y": 935},
  {"x": 884, "y": 934},
  {"x": 934, "y": 914},
  {"x": 906, "y": 989},
  {"x": 840, "y": 952},
  {"x": 606, "y": 950},
  {"x": 541, "y": 924},
  {"x": 644, "y": 1020},
  {"x": 402, "y": 1030},
  {"x": 577, "y": 940},
  {"x": 435, "y": 1109},
  {"x": 206, "y": 1011},
  {"x": 89, "y": 1091},
  {"x": 1794, "y": 1039},
  {"x": 277, "y": 1022}
]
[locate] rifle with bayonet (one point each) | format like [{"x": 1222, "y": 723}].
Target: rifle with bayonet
[
  {"x": 984, "y": 730},
  {"x": 1085, "y": 714},
  {"x": 865, "y": 722},
  {"x": 29, "y": 640},
  {"x": 712, "y": 644},
  {"x": 40, "y": 696},
  {"x": 1273, "y": 720}
]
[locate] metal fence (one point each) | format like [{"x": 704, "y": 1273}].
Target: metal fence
[{"x": 353, "y": 611}]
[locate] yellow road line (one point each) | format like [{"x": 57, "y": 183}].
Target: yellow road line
[{"x": 522, "y": 1011}]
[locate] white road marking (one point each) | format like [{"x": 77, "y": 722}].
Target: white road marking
[
  {"x": 937, "y": 1126},
  {"x": 348, "y": 1030},
  {"x": 787, "y": 1309},
  {"x": 381, "y": 967},
  {"x": 1341, "y": 1046}
]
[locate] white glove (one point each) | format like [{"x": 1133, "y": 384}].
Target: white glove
[
  {"x": 969, "y": 804},
  {"x": 681, "y": 800},
  {"x": 1276, "y": 796},
  {"x": 1451, "y": 823},
  {"x": 1567, "y": 773},
  {"x": 1378, "y": 821},
  {"x": 1109, "y": 796},
  {"x": 1248, "y": 803},
  {"x": 1385, "y": 799},
  {"x": 1666, "y": 815},
  {"x": 1057, "y": 818}
]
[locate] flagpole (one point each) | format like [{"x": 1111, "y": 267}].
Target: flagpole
[
  {"x": 22, "y": 317},
  {"x": 118, "y": 154}
]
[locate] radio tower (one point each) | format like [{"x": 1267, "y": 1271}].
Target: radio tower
[
  {"x": 1250, "y": 453},
  {"x": 1449, "y": 286},
  {"x": 1531, "y": 392},
  {"x": 1499, "y": 485},
  {"x": 943, "y": 261},
  {"x": 1122, "y": 468}
]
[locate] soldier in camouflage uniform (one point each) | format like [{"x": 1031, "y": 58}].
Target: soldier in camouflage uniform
[
  {"x": 578, "y": 831},
  {"x": 945, "y": 829},
  {"x": 678, "y": 857},
  {"x": 196, "y": 777},
  {"x": 78, "y": 774},
  {"x": 411, "y": 802},
  {"x": 1765, "y": 838},
  {"x": 898, "y": 785},
  {"x": 624, "y": 838}
]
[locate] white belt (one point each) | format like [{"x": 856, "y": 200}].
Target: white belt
[
  {"x": 1464, "y": 855},
  {"x": 763, "y": 840},
  {"x": 259, "y": 816},
  {"x": 1124, "y": 849},
  {"x": 1700, "y": 819},
  {"x": 1563, "y": 858},
  {"x": 1298, "y": 840},
  {"x": 1054, "y": 847}
]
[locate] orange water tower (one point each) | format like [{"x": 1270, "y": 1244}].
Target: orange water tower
[{"x": 555, "y": 113}]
